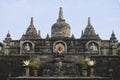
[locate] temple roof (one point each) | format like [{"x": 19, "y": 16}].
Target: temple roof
[
  {"x": 60, "y": 28},
  {"x": 31, "y": 32},
  {"x": 89, "y": 32}
]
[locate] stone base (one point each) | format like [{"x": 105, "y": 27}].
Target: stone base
[{"x": 59, "y": 78}]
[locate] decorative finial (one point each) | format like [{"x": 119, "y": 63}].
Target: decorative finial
[
  {"x": 113, "y": 32},
  {"x": 82, "y": 32},
  {"x": 113, "y": 37},
  {"x": 61, "y": 14},
  {"x": 60, "y": 17},
  {"x": 8, "y": 31},
  {"x": 89, "y": 21},
  {"x": 8, "y": 34},
  {"x": 31, "y": 22}
]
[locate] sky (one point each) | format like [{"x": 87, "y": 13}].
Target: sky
[{"x": 15, "y": 16}]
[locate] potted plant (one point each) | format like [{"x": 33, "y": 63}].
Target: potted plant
[
  {"x": 35, "y": 65},
  {"x": 26, "y": 64},
  {"x": 84, "y": 67},
  {"x": 91, "y": 64}
]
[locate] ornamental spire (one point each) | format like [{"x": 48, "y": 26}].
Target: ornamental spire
[
  {"x": 89, "y": 21},
  {"x": 89, "y": 32},
  {"x": 60, "y": 17},
  {"x": 113, "y": 37},
  {"x": 8, "y": 36},
  {"x": 31, "y": 22}
]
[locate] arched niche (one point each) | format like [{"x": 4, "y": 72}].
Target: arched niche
[
  {"x": 93, "y": 46},
  {"x": 1, "y": 48},
  {"x": 27, "y": 46},
  {"x": 58, "y": 44}
]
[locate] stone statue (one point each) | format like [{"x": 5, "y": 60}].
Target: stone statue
[
  {"x": 93, "y": 47},
  {"x": 27, "y": 47},
  {"x": 59, "y": 48}
]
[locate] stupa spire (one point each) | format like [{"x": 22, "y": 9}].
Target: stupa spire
[
  {"x": 60, "y": 17},
  {"x": 89, "y": 21},
  {"x": 61, "y": 28},
  {"x": 89, "y": 32},
  {"x": 31, "y": 22},
  {"x": 113, "y": 37},
  {"x": 8, "y": 36}
]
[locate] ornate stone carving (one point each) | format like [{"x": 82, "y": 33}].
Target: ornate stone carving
[
  {"x": 59, "y": 48},
  {"x": 27, "y": 47},
  {"x": 93, "y": 47},
  {"x": 89, "y": 32},
  {"x": 31, "y": 32},
  {"x": 60, "y": 28}
]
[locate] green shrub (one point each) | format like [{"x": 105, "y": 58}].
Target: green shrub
[
  {"x": 35, "y": 64},
  {"x": 84, "y": 64}
]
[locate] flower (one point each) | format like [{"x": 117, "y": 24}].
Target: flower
[
  {"x": 91, "y": 63},
  {"x": 26, "y": 62}
]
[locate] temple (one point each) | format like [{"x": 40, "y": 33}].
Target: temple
[{"x": 61, "y": 54}]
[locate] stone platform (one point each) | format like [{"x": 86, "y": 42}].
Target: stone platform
[{"x": 59, "y": 78}]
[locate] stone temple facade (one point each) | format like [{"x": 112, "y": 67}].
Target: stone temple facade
[
  {"x": 61, "y": 41},
  {"x": 31, "y": 43}
]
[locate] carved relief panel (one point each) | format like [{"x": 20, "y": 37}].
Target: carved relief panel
[
  {"x": 27, "y": 46},
  {"x": 93, "y": 47},
  {"x": 60, "y": 46}
]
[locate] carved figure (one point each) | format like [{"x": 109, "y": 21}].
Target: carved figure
[
  {"x": 93, "y": 47},
  {"x": 59, "y": 48},
  {"x": 27, "y": 47}
]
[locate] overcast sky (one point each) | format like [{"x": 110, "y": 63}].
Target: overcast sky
[{"x": 15, "y": 16}]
